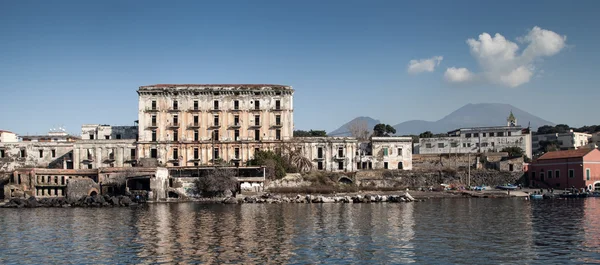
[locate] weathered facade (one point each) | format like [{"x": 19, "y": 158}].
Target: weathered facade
[
  {"x": 329, "y": 153},
  {"x": 390, "y": 153},
  {"x": 566, "y": 169},
  {"x": 8, "y": 137},
  {"x": 108, "y": 132},
  {"x": 89, "y": 154},
  {"x": 35, "y": 154},
  {"x": 192, "y": 125}
]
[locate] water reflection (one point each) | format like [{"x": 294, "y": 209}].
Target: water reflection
[{"x": 457, "y": 231}]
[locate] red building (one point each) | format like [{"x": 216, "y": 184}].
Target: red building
[{"x": 565, "y": 169}]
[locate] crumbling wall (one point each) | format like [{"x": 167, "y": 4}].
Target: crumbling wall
[
  {"x": 13, "y": 158},
  {"x": 428, "y": 178},
  {"x": 159, "y": 184},
  {"x": 81, "y": 187}
]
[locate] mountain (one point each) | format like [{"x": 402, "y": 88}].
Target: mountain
[
  {"x": 472, "y": 115},
  {"x": 344, "y": 131}
]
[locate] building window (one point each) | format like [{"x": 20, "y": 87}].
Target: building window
[
  {"x": 23, "y": 153},
  {"x": 175, "y": 154},
  {"x": 340, "y": 151},
  {"x": 91, "y": 136},
  {"x": 341, "y": 165},
  {"x": 153, "y": 104},
  {"x": 549, "y": 174},
  {"x": 533, "y": 175},
  {"x": 256, "y": 150},
  {"x": 277, "y": 134},
  {"x": 500, "y": 134},
  {"x": 453, "y": 144},
  {"x": 467, "y": 135},
  {"x": 256, "y": 135},
  {"x": 153, "y": 135},
  {"x": 400, "y": 151},
  {"x": 118, "y": 136},
  {"x": 428, "y": 146},
  {"x": 482, "y": 134},
  {"x": 196, "y": 135},
  {"x": 277, "y": 119},
  {"x": 216, "y": 104},
  {"x": 196, "y": 120},
  {"x": 571, "y": 173},
  {"x": 132, "y": 153},
  {"x": 491, "y": 134},
  {"x": 2, "y": 154},
  {"x": 236, "y": 104},
  {"x": 41, "y": 153},
  {"x": 385, "y": 151},
  {"x": 195, "y": 104},
  {"x": 175, "y": 136},
  {"x": 216, "y": 135},
  {"x": 256, "y": 120},
  {"x": 196, "y": 153},
  {"x": 216, "y": 120},
  {"x": 107, "y": 137},
  {"x": 278, "y": 104},
  {"x": 175, "y": 105},
  {"x": 320, "y": 165},
  {"x": 89, "y": 166},
  {"x": 440, "y": 145},
  {"x": 236, "y": 135},
  {"x": 236, "y": 120},
  {"x": 320, "y": 152},
  {"x": 216, "y": 153},
  {"x": 557, "y": 173},
  {"x": 236, "y": 152},
  {"x": 509, "y": 133},
  {"x": 153, "y": 120},
  {"x": 153, "y": 153},
  {"x": 256, "y": 104},
  {"x": 385, "y": 165},
  {"x": 587, "y": 174},
  {"x": 175, "y": 119},
  {"x": 476, "y": 135},
  {"x": 464, "y": 144},
  {"x": 492, "y": 144}
]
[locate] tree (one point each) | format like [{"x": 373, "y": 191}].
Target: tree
[
  {"x": 359, "y": 129},
  {"x": 216, "y": 182},
  {"x": 311, "y": 133},
  {"x": 273, "y": 163},
  {"x": 514, "y": 151},
  {"x": 383, "y": 130},
  {"x": 426, "y": 134}
]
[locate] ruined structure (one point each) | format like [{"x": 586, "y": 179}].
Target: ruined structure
[
  {"x": 108, "y": 132},
  {"x": 479, "y": 140},
  {"x": 193, "y": 125}
]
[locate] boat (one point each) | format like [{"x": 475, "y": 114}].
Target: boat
[
  {"x": 573, "y": 195},
  {"x": 594, "y": 194},
  {"x": 536, "y": 196},
  {"x": 507, "y": 187}
]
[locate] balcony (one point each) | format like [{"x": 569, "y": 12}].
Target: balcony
[
  {"x": 276, "y": 109},
  {"x": 255, "y": 125},
  {"x": 173, "y": 125},
  {"x": 195, "y": 109},
  {"x": 255, "y": 109},
  {"x": 215, "y": 109},
  {"x": 88, "y": 159},
  {"x": 152, "y": 126},
  {"x": 235, "y": 125},
  {"x": 277, "y": 125},
  {"x": 338, "y": 157},
  {"x": 193, "y": 126},
  {"x": 174, "y": 109},
  {"x": 215, "y": 125},
  {"x": 236, "y": 109},
  {"x": 236, "y": 158},
  {"x": 155, "y": 109}
]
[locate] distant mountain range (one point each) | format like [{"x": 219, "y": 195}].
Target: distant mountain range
[{"x": 470, "y": 115}]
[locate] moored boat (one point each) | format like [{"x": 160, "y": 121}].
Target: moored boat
[
  {"x": 536, "y": 196},
  {"x": 507, "y": 187}
]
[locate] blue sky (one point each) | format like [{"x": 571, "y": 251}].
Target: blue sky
[{"x": 74, "y": 62}]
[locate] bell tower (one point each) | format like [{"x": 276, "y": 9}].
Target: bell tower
[{"x": 511, "y": 120}]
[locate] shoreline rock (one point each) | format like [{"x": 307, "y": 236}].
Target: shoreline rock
[
  {"x": 87, "y": 201},
  {"x": 268, "y": 198}
]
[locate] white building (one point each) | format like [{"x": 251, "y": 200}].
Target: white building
[
  {"x": 479, "y": 140},
  {"x": 8, "y": 137},
  {"x": 564, "y": 141},
  {"x": 108, "y": 132}
]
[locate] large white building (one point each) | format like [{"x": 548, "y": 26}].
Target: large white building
[
  {"x": 479, "y": 140},
  {"x": 8, "y": 137}
]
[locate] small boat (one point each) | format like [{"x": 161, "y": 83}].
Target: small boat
[
  {"x": 594, "y": 194},
  {"x": 507, "y": 187},
  {"x": 536, "y": 196}
]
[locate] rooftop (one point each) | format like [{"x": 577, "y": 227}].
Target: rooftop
[
  {"x": 565, "y": 154},
  {"x": 5, "y": 131},
  {"x": 215, "y": 86}
]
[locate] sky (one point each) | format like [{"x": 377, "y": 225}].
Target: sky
[{"x": 68, "y": 63}]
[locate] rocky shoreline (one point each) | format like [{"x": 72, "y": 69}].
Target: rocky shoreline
[
  {"x": 269, "y": 198},
  {"x": 88, "y": 201}
]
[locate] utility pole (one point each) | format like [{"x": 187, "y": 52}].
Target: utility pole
[{"x": 469, "y": 174}]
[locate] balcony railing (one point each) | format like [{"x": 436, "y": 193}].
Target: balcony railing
[
  {"x": 194, "y": 125},
  {"x": 152, "y": 126},
  {"x": 195, "y": 109},
  {"x": 277, "y": 124},
  {"x": 174, "y": 109},
  {"x": 255, "y": 124},
  {"x": 235, "y": 125},
  {"x": 215, "y": 109},
  {"x": 173, "y": 125},
  {"x": 276, "y": 109},
  {"x": 151, "y": 109},
  {"x": 236, "y": 108},
  {"x": 215, "y": 125}
]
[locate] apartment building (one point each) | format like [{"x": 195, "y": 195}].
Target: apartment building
[
  {"x": 192, "y": 125},
  {"x": 564, "y": 141}
]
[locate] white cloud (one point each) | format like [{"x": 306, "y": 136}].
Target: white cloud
[
  {"x": 424, "y": 65},
  {"x": 458, "y": 75},
  {"x": 500, "y": 60}
]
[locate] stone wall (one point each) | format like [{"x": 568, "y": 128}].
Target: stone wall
[
  {"x": 81, "y": 187},
  {"x": 456, "y": 161},
  {"x": 414, "y": 179}
]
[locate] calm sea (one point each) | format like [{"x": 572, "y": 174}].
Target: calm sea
[{"x": 437, "y": 231}]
